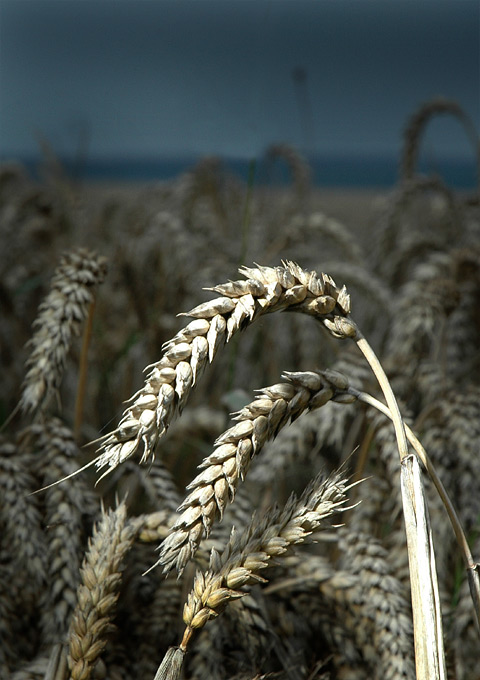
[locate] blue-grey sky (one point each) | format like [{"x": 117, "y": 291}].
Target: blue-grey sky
[{"x": 161, "y": 77}]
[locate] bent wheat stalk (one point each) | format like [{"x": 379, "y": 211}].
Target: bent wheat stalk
[{"x": 427, "y": 617}]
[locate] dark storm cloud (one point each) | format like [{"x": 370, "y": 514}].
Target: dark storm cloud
[{"x": 217, "y": 77}]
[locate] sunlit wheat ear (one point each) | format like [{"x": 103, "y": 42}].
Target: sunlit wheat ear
[
  {"x": 170, "y": 380},
  {"x": 214, "y": 488},
  {"x": 58, "y": 322},
  {"x": 297, "y": 164},
  {"x": 416, "y": 127},
  {"x": 98, "y": 593},
  {"x": 250, "y": 553}
]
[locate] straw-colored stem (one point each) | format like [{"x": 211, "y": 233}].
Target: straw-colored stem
[
  {"x": 82, "y": 370},
  {"x": 427, "y": 619},
  {"x": 470, "y": 565},
  {"x": 386, "y": 388}
]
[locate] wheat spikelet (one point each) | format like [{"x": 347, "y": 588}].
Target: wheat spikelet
[
  {"x": 171, "y": 379},
  {"x": 232, "y": 645},
  {"x": 58, "y": 321},
  {"x": 98, "y": 593},
  {"x": 259, "y": 421}
]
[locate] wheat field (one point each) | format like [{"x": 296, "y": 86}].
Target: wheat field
[{"x": 194, "y": 485}]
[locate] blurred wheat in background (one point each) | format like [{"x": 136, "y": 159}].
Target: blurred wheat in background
[{"x": 284, "y": 555}]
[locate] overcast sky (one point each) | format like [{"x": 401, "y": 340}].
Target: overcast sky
[{"x": 159, "y": 77}]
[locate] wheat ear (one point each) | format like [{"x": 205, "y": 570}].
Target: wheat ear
[
  {"x": 416, "y": 126},
  {"x": 98, "y": 593},
  {"x": 258, "y": 422},
  {"x": 171, "y": 379},
  {"x": 58, "y": 321},
  {"x": 247, "y": 555}
]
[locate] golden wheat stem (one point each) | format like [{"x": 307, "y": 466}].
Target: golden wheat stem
[
  {"x": 83, "y": 369},
  {"x": 385, "y": 386},
  {"x": 427, "y": 618},
  {"x": 470, "y": 565}
]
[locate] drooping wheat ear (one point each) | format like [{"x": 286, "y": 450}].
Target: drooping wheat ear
[
  {"x": 247, "y": 555},
  {"x": 416, "y": 126},
  {"x": 301, "y": 229},
  {"x": 395, "y": 242},
  {"x": 58, "y": 321},
  {"x": 98, "y": 593},
  {"x": 298, "y": 166},
  {"x": 258, "y": 422},
  {"x": 170, "y": 380},
  {"x": 66, "y": 509}
]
